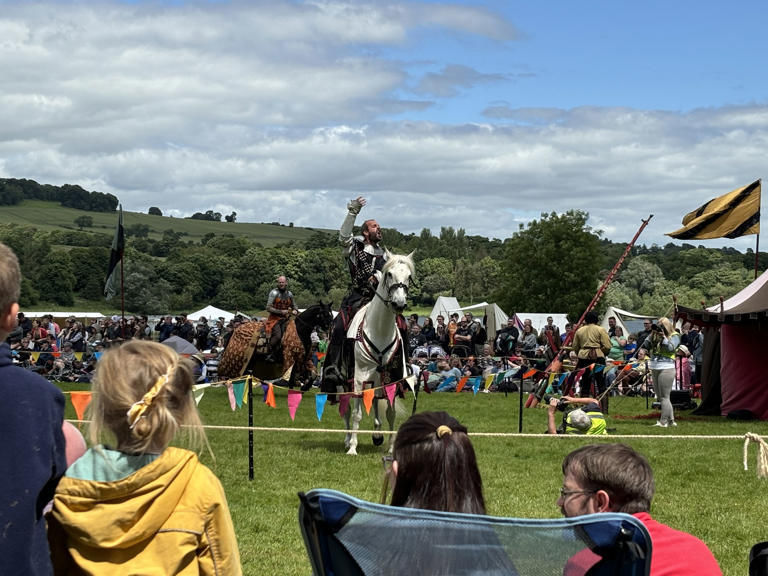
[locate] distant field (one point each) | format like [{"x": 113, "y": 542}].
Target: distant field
[{"x": 51, "y": 216}]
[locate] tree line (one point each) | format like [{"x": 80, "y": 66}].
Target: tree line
[
  {"x": 14, "y": 190},
  {"x": 552, "y": 264}
]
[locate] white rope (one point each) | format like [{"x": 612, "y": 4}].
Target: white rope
[
  {"x": 473, "y": 434},
  {"x": 762, "y": 454}
]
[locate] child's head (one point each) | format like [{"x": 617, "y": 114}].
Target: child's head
[
  {"x": 10, "y": 287},
  {"x": 435, "y": 466},
  {"x": 142, "y": 395}
]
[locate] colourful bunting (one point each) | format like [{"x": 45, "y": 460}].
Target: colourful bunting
[
  {"x": 530, "y": 373},
  {"x": 231, "y": 396},
  {"x": 390, "y": 389},
  {"x": 271, "y": 397},
  {"x": 368, "y": 399},
  {"x": 320, "y": 400},
  {"x": 237, "y": 391},
  {"x": 80, "y": 401},
  {"x": 488, "y": 381},
  {"x": 294, "y": 399},
  {"x": 461, "y": 384},
  {"x": 476, "y": 384},
  {"x": 343, "y": 404}
]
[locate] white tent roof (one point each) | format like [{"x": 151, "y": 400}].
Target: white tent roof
[
  {"x": 210, "y": 312},
  {"x": 64, "y": 314},
  {"x": 754, "y": 298},
  {"x": 444, "y": 305},
  {"x": 538, "y": 321},
  {"x": 630, "y": 322}
]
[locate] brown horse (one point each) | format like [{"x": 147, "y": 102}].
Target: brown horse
[{"x": 246, "y": 350}]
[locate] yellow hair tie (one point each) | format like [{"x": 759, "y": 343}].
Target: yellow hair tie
[
  {"x": 137, "y": 409},
  {"x": 442, "y": 430}
]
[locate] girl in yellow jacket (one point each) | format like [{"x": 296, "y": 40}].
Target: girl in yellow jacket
[{"x": 143, "y": 507}]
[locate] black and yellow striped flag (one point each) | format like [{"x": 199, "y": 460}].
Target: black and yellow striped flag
[{"x": 728, "y": 216}]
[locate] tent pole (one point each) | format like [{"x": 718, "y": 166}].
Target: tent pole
[{"x": 757, "y": 252}]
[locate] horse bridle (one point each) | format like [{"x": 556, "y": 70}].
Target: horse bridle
[{"x": 391, "y": 288}]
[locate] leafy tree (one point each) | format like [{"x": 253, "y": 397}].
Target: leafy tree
[
  {"x": 232, "y": 217},
  {"x": 155, "y": 211},
  {"x": 58, "y": 273},
  {"x": 137, "y": 230},
  {"x": 641, "y": 276},
  {"x": 551, "y": 264},
  {"x": 84, "y": 222}
]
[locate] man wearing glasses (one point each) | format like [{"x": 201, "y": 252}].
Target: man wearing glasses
[{"x": 615, "y": 478}]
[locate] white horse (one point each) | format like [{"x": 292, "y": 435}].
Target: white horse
[{"x": 377, "y": 343}]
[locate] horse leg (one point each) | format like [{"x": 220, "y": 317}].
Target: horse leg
[
  {"x": 391, "y": 421},
  {"x": 378, "y": 437},
  {"x": 356, "y": 406},
  {"x": 346, "y": 416}
]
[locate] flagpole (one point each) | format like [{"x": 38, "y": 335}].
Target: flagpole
[
  {"x": 757, "y": 252},
  {"x": 122, "y": 298}
]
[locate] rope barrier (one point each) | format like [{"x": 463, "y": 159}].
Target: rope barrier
[
  {"x": 473, "y": 434},
  {"x": 762, "y": 454}
]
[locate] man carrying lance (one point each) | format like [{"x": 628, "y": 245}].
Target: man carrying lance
[{"x": 365, "y": 258}]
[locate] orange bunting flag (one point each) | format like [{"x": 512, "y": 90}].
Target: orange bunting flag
[
  {"x": 627, "y": 367},
  {"x": 271, "y": 397},
  {"x": 368, "y": 399},
  {"x": 80, "y": 401},
  {"x": 530, "y": 373},
  {"x": 461, "y": 384}
]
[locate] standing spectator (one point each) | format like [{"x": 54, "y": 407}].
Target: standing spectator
[
  {"x": 38, "y": 334},
  {"x": 644, "y": 333},
  {"x": 550, "y": 331},
  {"x": 144, "y": 506},
  {"x": 615, "y": 478},
  {"x": 201, "y": 334},
  {"x": 662, "y": 344},
  {"x": 32, "y": 453},
  {"x": 441, "y": 332},
  {"x": 24, "y": 323},
  {"x": 164, "y": 328},
  {"x": 591, "y": 343},
  {"x": 611, "y": 326},
  {"x": 415, "y": 337},
  {"x": 617, "y": 348},
  {"x": 462, "y": 339},
  {"x": 214, "y": 334},
  {"x": 183, "y": 328},
  {"x": 693, "y": 339}
]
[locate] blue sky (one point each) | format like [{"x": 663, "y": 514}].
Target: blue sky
[{"x": 476, "y": 115}]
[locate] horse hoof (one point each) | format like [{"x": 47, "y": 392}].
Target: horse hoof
[
  {"x": 352, "y": 452},
  {"x": 378, "y": 440}
]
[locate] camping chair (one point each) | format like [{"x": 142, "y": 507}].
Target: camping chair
[{"x": 347, "y": 536}]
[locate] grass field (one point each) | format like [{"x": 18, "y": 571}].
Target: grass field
[
  {"x": 701, "y": 488},
  {"x": 51, "y": 216}
]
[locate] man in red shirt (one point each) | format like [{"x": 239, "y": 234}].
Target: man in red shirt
[{"x": 615, "y": 478}]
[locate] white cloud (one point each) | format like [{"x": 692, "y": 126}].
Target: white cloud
[{"x": 283, "y": 111}]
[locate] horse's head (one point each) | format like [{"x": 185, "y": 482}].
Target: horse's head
[
  {"x": 325, "y": 315},
  {"x": 396, "y": 277}
]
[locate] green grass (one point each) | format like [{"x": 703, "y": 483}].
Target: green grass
[
  {"x": 50, "y": 216},
  {"x": 701, "y": 485}
]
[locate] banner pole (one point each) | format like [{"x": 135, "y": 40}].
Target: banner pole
[{"x": 757, "y": 253}]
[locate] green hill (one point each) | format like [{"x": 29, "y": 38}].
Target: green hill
[{"x": 50, "y": 216}]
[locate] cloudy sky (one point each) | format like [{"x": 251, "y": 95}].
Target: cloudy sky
[{"x": 477, "y": 114}]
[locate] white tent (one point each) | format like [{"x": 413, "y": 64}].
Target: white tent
[
  {"x": 538, "y": 321},
  {"x": 630, "y": 323},
  {"x": 210, "y": 313},
  {"x": 444, "y": 306}
]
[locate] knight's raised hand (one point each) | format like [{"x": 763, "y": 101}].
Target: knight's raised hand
[{"x": 354, "y": 206}]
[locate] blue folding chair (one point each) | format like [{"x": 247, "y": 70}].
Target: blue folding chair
[{"x": 345, "y": 536}]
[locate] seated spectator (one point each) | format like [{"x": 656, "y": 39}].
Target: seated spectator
[
  {"x": 470, "y": 368},
  {"x": 630, "y": 347},
  {"x": 428, "y": 330},
  {"x": 617, "y": 349},
  {"x": 506, "y": 339},
  {"x": 65, "y": 360},
  {"x": 415, "y": 337},
  {"x": 588, "y": 419},
  {"x": 615, "y": 478},
  {"x": 434, "y": 466},
  {"x": 528, "y": 342},
  {"x": 38, "y": 334}
]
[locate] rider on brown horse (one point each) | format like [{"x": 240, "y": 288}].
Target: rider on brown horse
[
  {"x": 280, "y": 305},
  {"x": 365, "y": 258}
]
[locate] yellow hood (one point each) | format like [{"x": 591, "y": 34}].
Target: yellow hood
[{"x": 124, "y": 513}]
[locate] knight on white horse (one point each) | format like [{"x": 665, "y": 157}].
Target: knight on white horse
[{"x": 379, "y": 349}]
